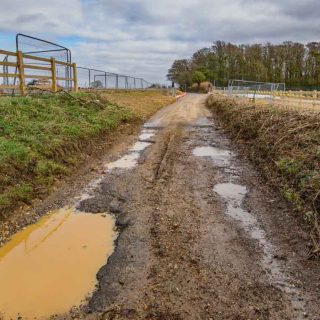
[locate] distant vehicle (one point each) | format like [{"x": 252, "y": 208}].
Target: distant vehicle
[
  {"x": 39, "y": 83},
  {"x": 97, "y": 84},
  {"x": 42, "y": 84}
]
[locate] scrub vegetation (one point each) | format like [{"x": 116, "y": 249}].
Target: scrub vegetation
[
  {"x": 284, "y": 144},
  {"x": 43, "y": 137}
]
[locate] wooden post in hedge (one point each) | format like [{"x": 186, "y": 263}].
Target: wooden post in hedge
[
  {"x": 75, "y": 79},
  {"x": 300, "y": 97},
  {"x": 314, "y": 96},
  {"x": 21, "y": 73},
  {"x": 53, "y": 74}
]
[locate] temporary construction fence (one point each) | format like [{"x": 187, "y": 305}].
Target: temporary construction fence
[
  {"x": 253, "y": 89},
  {"x": 54, "y": 75},
  {"x": 47, "y": 73},
  {"x": 53, "y": 70},
  {"x": 46, "y": 49},
  {"x": 99, "y": 79},
  {"x": 244, "y": 85}
]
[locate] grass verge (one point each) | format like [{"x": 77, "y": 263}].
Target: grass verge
[
  {"x": 144, "y": 103},
  {"x": 285, "y": 146},
  {"x": 42, "y": 137}
]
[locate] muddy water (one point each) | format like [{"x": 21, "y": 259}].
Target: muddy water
[
  {"x": 130, "y": 160},
  {"x": 52, "y": 265},
  {"x": 234, "y": 195},
  {"x": 127, "y": 162},
  {"x": 147, "y": 134},
  {"x": 221, "y": 157},
  {"x": 140, "y": 146}
]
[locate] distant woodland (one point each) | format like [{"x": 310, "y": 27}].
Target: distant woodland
[{"x": 293, "y": 63}]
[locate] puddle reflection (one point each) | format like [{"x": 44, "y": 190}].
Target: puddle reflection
[{"x": 219, "y": 156}]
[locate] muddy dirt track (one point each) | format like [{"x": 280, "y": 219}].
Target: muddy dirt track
[{"x": 201, "y": 236}]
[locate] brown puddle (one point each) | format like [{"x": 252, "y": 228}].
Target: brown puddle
[{"x": 51, "y": 266}]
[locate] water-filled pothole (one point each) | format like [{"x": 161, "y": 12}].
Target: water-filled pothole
[
  {"x": 234, "y": 195},
  {"x": 139, "y": 146},
  {"x": 219, "y": 156},
  {"x": 127, "y": 161},
  {"x": 147, "y": 134},
  {"x": 130, "y": 160},
  {"x": 51, "y": 266}
]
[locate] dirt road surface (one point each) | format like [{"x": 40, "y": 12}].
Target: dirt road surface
[{"x": 201, "y": 237}]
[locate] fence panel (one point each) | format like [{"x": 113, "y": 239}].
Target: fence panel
[
  {"x": 22, "y": 73},
  {"x": 99, "y": 79}
]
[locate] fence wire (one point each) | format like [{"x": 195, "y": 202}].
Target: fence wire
[
  {"x": 87, "y": 77},
  {"x": 93, "y": 78}
]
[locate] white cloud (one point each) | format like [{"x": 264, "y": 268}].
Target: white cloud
[{"x": 144, "y": 37}]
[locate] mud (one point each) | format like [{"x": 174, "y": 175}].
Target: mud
[
  {"x": 201, "y": 236},
  {"x": 234, "y": 194},
  {"x": 50, "y": 266},
  {"x": 180, "y": 255}
]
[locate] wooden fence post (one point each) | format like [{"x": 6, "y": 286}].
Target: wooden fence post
[
  {"x": 75, "y": 79},
  {"x": 21, "y": 73},
  {"x": 314, "y": 97},
  {"x": 54, "y": 76}
]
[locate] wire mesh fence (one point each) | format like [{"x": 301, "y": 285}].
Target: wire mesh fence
[
  {"x": 253, "y": 90},
  {"x": 255, "y": 86},
  {"x": 99, "y": 79},
  {"x": 45, "y": 49},
  {"x": 41, "y": 69}
]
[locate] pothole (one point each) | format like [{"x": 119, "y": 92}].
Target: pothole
[
  {"x": 139, "y": 146},
  {"x": 128, "y": 161},
  {"x": 219, "y": 156},
  {"x": 147, "y": 134},
  {"x": 51, "y": 266}
]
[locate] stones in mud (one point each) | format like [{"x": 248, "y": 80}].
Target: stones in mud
[
  {"x": 115, "y": 206},
  {"x": 106, "y": 203},
  {"x": 119, "y": 313}
]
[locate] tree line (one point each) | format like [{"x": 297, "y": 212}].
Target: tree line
[{"x": 293, "y": 63}]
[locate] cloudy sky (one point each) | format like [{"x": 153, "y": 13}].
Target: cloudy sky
[{"x": 142, "y": 38}]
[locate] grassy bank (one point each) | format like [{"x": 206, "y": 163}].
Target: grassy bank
[
  {"x": 285, "y": 145},
  {"x": 41, "y": 138},
  {"x": 144, "y": 103}
]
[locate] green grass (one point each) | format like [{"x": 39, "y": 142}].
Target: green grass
[{"x": 39, "y": 136}]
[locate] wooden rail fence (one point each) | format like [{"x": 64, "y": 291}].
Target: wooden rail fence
[{"x": 22, "y": 75}]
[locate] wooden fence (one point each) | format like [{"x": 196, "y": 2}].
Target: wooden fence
[{"x": 22, "y": 75}]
